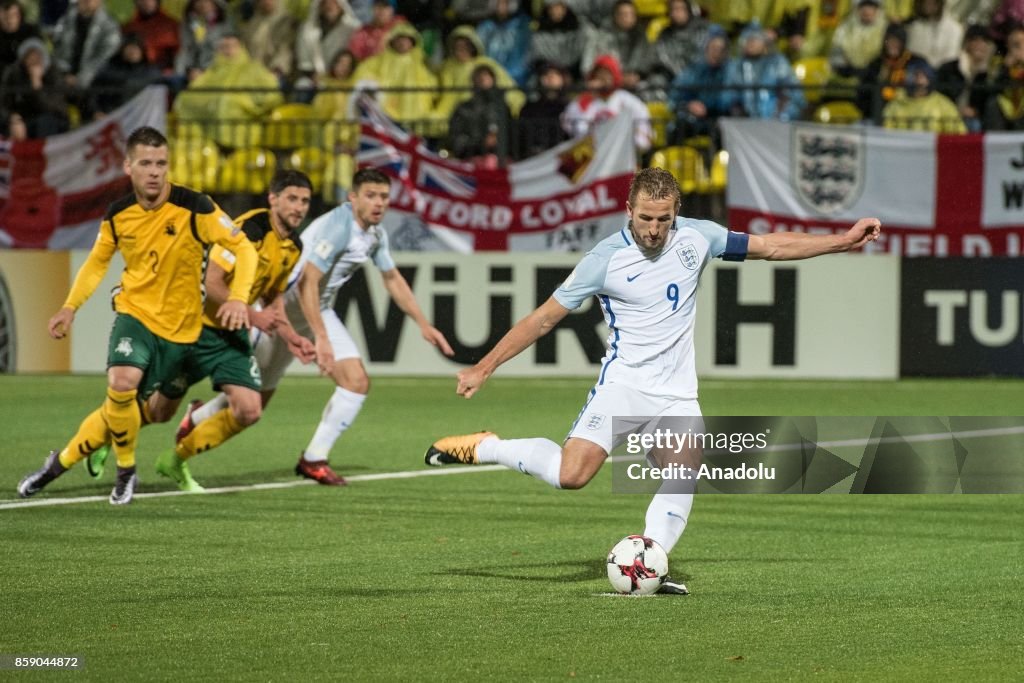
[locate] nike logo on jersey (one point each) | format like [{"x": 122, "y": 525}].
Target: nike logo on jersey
[{"x": 630, "y": 278}]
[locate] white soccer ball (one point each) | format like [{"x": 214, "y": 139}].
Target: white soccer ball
[{"x": 637, "y": 566}]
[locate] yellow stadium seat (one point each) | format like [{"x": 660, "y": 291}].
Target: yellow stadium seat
[
  {"x": 840, "y": 112},
  {"x": 813, "y": 73},
  {"x": 194, "y": 162},
  {"x": 312, "y": 161},
  {"x": 699, "y": 142},
  {"x": 651, "y": 8},
  {"x": 686, "y": 164},
  {"x": 719, "y": 171},
  {"x": 654, "y": 29},
  {"x": 246, "y": 171},
  {"x": 340, "y": 132},
  {"x": 292, "y": 125},
  {"x": 660, "y": 117},
  {"x": 338, "y": 177}
]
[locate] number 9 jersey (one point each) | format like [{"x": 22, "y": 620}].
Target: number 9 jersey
[{"x": 650, "y": 303}]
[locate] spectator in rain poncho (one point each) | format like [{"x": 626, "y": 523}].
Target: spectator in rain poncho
[
  {"x": 920, "y": 107},
  {"x": 232, "y": 119},
  {"x": 401, "y": 65},
  {"x": 465, "y": 52},
  {"x": 858, "y": 40}
]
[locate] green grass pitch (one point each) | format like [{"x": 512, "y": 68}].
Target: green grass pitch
[{"x": 491, "y": 575}]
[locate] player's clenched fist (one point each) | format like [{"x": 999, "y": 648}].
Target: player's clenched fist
[
  {"x": 863, "y": 231},
  {"x": 470, "y": 381},
  {"x": 60, "y": 323}
]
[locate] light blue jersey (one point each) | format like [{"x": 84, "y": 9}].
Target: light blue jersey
[
  {"x": 650, "y": 304},
  {"x": 338, "y": 247}
]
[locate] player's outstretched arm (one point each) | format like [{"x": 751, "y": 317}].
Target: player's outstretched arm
[
  {"x": 792, "y": 246},
  {"x": 309, "y": 299},
  {"x": 87, "y": 280},
  {"x": 402, "y": 294},
  {"x": 522, "y": 335}
]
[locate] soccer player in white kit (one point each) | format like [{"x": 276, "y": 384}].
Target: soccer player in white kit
[
  {"x": 645, "y": 277},
  {"x": 335, "y": 245}
]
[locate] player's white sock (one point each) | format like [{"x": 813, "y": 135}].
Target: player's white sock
[
  {"x": 541, "y": 458},
  {"x": 667, "y": 514},
  {"x": 340, "y": 412},
  {"x": 210, "y": 408}
]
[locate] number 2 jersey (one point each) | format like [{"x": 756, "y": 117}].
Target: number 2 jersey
[
  {"x": 650, "y": 304},
  {"x": 338, "y": 247},
  {"x": 164, "y": 252}
]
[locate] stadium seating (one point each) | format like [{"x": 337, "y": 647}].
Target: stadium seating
[
  {"x": 247, "y": 171},
  {"x": 837, "y": 112},
  {"x": 292, "y": 125},
  {"x": 686, "y": 164},
  {"x": 814, "y": 74},
  {"x": 337, "y": 177},
  {"x": 313, "y": 161},
  {"x": 660, "y": 117},
  {"x": 194, "y": 162},
  {"x": 650, "y": 8},
  {"x": 654, "y": 29},
  {"x": 719, "y": 177}
]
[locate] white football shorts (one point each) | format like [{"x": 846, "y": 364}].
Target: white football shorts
[
  {"x": 614, "y": 411},
  {"x": 272, "y": 352}
]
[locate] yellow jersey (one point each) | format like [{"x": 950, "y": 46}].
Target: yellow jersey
[
  {"x": 276, "y": 259},
  {"x": 165, "y": 252}
]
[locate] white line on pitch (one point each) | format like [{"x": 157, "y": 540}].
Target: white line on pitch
[
  {"x": 409, "y": 474},
  {"x": 412, "y": 474}
]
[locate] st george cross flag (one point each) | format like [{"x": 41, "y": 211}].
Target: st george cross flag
[
  {"x": 54, "y": 191},
  {"x": 569, "y": 197},
  {"x": 936, "y": 195}
]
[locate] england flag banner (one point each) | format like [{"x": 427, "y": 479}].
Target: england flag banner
[
  {"x": 565, "y": 199},
  {"x": 936, "y": 195},
  {"x": 54, "y": 191}
]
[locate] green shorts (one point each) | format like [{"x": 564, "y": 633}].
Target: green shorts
[
  {"x": 162, "y": 362},
  {"x": 226, "y": 358}
]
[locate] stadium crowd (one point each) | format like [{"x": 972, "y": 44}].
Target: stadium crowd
[{"x": 494, "y": 80}]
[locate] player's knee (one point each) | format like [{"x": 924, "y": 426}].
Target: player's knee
[
  {"x": 356, "y": 383},
  {"x": 158, "y": 410},
  {"x": 123, "y": 382},
  {"x": 158, "y": 414},
  {"x": 573, "y": 480},
  {"x": 248, "y": 413}
]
